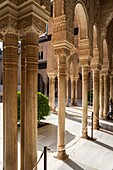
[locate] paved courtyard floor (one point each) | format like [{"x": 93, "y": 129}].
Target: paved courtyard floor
[{"x": 83, "y": 154}]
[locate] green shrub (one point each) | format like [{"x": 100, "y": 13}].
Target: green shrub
[
  {"x": 43, "y": 106},
  {"x": 43, "y": 109}
]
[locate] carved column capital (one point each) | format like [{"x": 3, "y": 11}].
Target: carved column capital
[
  {"x": 31, "y": 24},
  {"x": 8, "y": 25}
]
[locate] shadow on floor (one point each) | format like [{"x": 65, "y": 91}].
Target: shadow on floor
[
  {"x": 47, "y": 136},
  {"x": 104, "y": 145},
  {"x": 72, "y": 164},
  {"x": 105, "y": 131}
]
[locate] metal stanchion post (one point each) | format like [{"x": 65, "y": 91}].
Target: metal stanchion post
[{"x": 45, "y": 158}]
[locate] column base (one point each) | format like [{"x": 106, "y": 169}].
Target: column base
[
  {"x": 96, "y": 127},
  {"x": 61, "y": 155},
  {"x": 67, "y": 105},
  {"x": 104, "y": 118},
  {"x": 52, "y": 109},
  {"x": 75, "y": 103},
  {"x": 84, "y": 134}
]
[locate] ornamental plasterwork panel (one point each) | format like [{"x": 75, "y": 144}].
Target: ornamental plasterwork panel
[
  {"x": 69, "y": 10},
  {"x": 31, "y": 23},
  {"x": 83, "y": 44},
  {"x": 59, "y": 24},
  {"x": 62, "y": 52},
  {"x": 9, "y": 24}
]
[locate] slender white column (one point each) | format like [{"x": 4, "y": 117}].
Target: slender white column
[
  {"x": 3, "y": 63},
  {"x": 61, "y": 154},
  {"x": 84, "y": 100},
  {"x": 101, "y": 94},
  {"x": 23, "y": 103},
  {"x": 52, "y": 92},
  {"x": 67, "y": 91},
  {"x": 72, "y": 90},
  {"x": 96, "y": 98},
  {"x": 106, "y": 95},
  {"x": 76, "y": 87},
  {"x": 10, "y": 89},
  {"x": 30, "y": 150}
]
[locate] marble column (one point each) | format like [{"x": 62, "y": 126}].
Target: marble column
[
  {"x": 101, "y": 94},
  {"x": 61, "y": 153},
  {"x": 3, "y": 66},
  {"x": 111, "y": 87},
  {"x": 30, "y": 149},
  {"x": 67, "y": 91},
  {"x": 10, "y": 89},
  {"x": 84, "y": 100},
  {"x": 23, "y": 104},
  {"x": 96, "y": 98},
  {"x": 72, "y": 90},
  {"x": 106, "y": 95},
  {"x": 52, "y": 92},
  {"x": 76, "y": 91}
]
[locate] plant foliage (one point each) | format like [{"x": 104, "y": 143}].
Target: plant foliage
[{"x": 43, "y": 109}]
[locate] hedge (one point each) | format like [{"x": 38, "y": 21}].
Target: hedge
[{"x": 43, "y": 109}]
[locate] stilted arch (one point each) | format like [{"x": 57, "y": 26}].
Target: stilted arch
[
  {"x": 81, "y": 14},
  {"x": 108, "y": 20}
]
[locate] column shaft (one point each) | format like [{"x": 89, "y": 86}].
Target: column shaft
[
  {"x": 3, "y": 63},
  {"x": 67, "y": 91},
  {"x": 61, "y": 106},
  {"x": 23, "y": 103},
  {"x": 111, "y": 87},
  {"x": 101, "y": 95},
  {"x": 106, "y": 95},
  {"x": 10, "y": 89},
  {"x": 84, "y": 100},
  {"x": 52, "y": 92},
  {"x": 72, "y": 91},
  {"x": 31, "y": 50},
  {"x": 75, "y": 101},
  {"x": 96, "y": 99}
]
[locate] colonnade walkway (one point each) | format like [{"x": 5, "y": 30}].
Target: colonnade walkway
[{"x": 83, "y": 154}]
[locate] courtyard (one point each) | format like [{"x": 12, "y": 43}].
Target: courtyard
[{"x": 83, "y": 154}]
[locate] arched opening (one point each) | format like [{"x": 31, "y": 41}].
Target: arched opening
[{"x": 81, "y": 20}]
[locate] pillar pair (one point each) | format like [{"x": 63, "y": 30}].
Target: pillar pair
[{"x": 29, "y": 64}]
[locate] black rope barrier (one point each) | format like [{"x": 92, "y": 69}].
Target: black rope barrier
[{"x": 38, "y": 160}]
